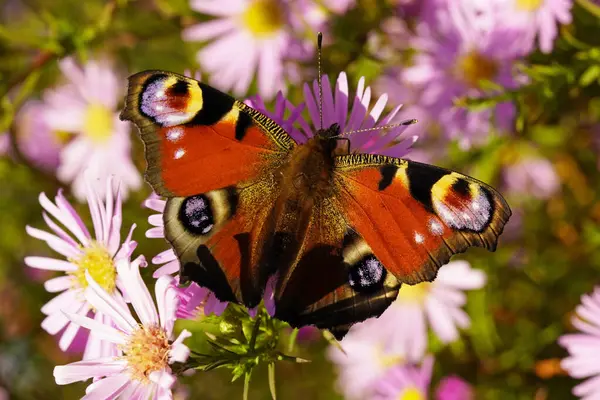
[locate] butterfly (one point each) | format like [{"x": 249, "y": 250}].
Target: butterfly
[{"x": 340, "y": 231}]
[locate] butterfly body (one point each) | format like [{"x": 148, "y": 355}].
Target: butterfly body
[{"x": 340, "y": 231}]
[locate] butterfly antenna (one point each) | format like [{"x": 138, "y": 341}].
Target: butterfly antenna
[
  {"x": 376, "y": 128},
  {"x": 319, "y": 45}
]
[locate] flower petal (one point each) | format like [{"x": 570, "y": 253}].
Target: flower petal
[{"x": 83, "y": 370}]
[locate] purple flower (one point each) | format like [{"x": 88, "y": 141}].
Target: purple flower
[
  {"x": 248, "y": 38},
  {"x": 454, "y": 57},
  {"x": 353, "y": 112},
  {"x": 534, "y": 176},
  {"x": 584, "y": 347},
  {"x": 454, "y": 388},
  {"x": 404, "y": 382},
  {"x": 141, "y": 368},
  {"x": 37, "y": 141},
  {"x": 83, "y": 254},
  {"x": 86, "y": 106}
]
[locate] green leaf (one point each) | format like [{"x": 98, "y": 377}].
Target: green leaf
[{"x": 590, "y": 75}]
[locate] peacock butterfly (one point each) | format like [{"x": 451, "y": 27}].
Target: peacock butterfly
[{"x": 341, "y": 230}]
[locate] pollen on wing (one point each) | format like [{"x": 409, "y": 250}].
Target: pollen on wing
[{"x": 146, "y": 351}]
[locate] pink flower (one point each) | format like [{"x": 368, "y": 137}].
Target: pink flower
[
  {"x": 405, "y": 382},
  {"x": 82, "y": 253},
  {"x": 354, "y": 112},
  {"x": 248, "y": 38},
  {"x": 454, "y": 388},
  {"x": 196, "y": 301},
  {"x": 584, "y": 347},
  {"x": 438, "y": 304},
  {"x": 141, "y": 369},
  {"x": 534, "y": 176},
  {"x": 538, "y": 17},
  {"x": 87, "y": 107},
  {"x": 458, "y": 50},
  {"x": 365, "y": 356},
  {"x": 4, "y": 143},
  {"x": 37, "y": 141}
]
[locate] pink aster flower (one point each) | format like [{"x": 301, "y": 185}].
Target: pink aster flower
[
  {"x": 454, "y": 388},
  {"x": 36, "y": 140},
  {"x": 4, "y": 143},
  {"x": 249, "y": 37},
  {"x": 141, "y": 369},
  {"x": 86, "y": 106},
  {"x": 197, "y": 301},
  {"x": 584, "y": 347},
  {"x": 534, "y": 176},
  {"x": 80, "y": 253},
  {"x": 453, "y": 60},
  {"x": 405, "y": 382},
  {"x": 365, "y": 356},
  {"x": 437, "y": 304},
  {"x": 354, "y": 112},
  {"x": 538, "y": 18}
]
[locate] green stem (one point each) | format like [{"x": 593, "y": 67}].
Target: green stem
[
  {"x": 246, "y": 385},
  {"x": 292, "y": 342},
  {"x": 255, "y": 331},
  {"x": 590, "y": 7}
]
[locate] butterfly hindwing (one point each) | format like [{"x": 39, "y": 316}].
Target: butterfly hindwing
[
  {"x": 416, "y": 216},
  {"x": 197, "y": 138}
]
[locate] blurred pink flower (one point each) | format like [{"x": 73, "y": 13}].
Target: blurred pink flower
[
  {"x": 534, "y": 176},
  {"x": 141, "y": 368},
  {"x": 438, "y": 304},
  {"x": 248, "y": 38},
  {"x": 37, "y": 141},
  {"x": 367, "y": 355},
  {"x": 4, "y": 143},
  {"x": 537, "y": 18},
  {"x": 454, "y": 56},
  {"x": 584, "y": 347},
  {"x": 354, "y": 112},
  {"x": 83, "y": 254},
  {"x": 454, "y": 388},
  {"x": 404, "y": 382},
  {"x": 87, "y": 107}
]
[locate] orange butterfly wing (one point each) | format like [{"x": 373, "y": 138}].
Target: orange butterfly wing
[
  {"x": 398, "y": 222},
  {"x": 197, "y": 138},
  {"x": 416, "y": 216},
  {"x": 214, "y": 158}
]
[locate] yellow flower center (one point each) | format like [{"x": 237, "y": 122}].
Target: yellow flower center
[
  {"x": 146, "y": 351},
  {"x": 414, "y": 293},
  {"x": 263, "y": 17},
  {"x": 411, "y": 394},
  {"x": 98, "y": 123},
  {"x": 386, "y": 360},
  {"x": 98, "y": 262},
  {"x": 474, "y": 68},
  {"x": 529, "y": 5}
]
